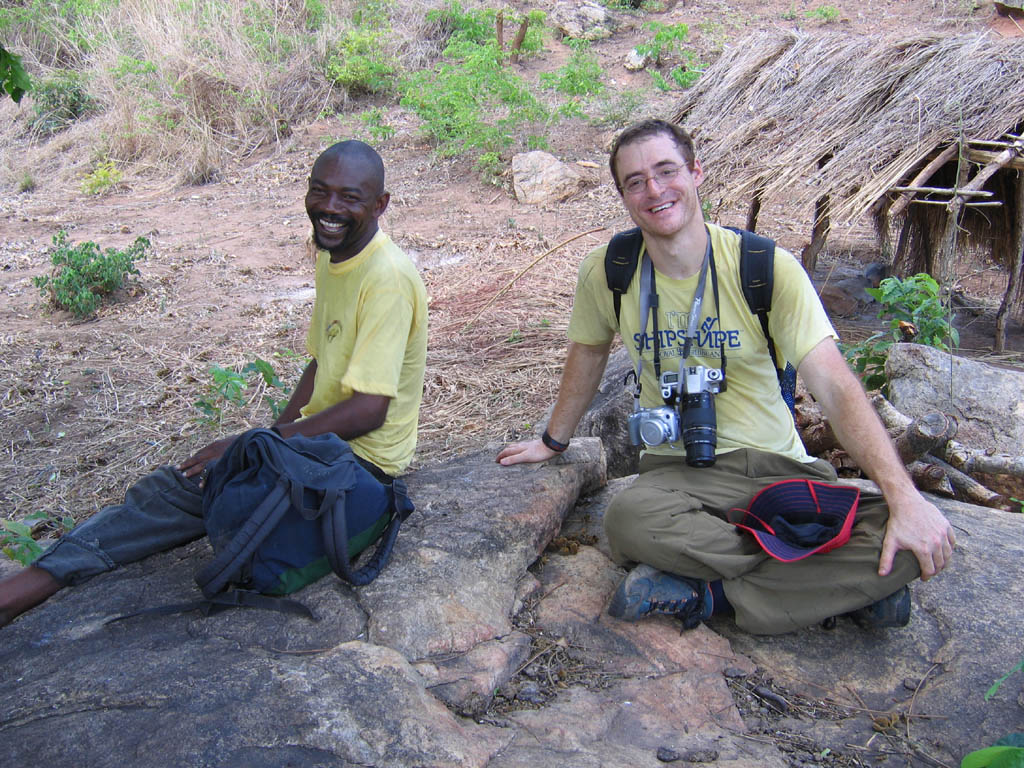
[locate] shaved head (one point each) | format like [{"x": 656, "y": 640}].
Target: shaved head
[{"x": 356, "y": 152}]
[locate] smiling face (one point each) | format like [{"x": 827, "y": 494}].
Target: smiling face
[
  {"x": 345, "y": 198},
  {"x": 658, "y": 187}
]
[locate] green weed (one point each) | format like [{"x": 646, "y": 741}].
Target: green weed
[
  {"x": 26, "y": 183},
  {"x": 823, "y": 13},
  {"x": 104, "y": 177},
  {"x": 791, "y": 14},
  {"x": 914, "y": 300},
  {"x": 580, "y": 76},
  {"x": 14, "y": 81},
  {"x": 373, "y": 119},
  {"x": 361, "y": 63},
  {"x": 471, "y": 101},
  {"x": 666, "y": 41},
  {"x": 59, "y": 101},
  {"x": 17, "y": 541},
  {"x": 229, "y": 387},
  {"x": 83, "y": 274}
]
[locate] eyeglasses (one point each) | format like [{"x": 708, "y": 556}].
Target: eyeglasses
[{"x": 637, "y": 185}]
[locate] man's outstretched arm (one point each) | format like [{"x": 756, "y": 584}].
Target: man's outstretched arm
[
  {"x": 581, "y": 376},
  {"x": 914, "y": 523}
]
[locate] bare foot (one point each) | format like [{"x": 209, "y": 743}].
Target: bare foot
[{"x": 25, "y": 589}]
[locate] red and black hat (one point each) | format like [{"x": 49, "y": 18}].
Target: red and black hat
[{"x": 793, "y": 519}]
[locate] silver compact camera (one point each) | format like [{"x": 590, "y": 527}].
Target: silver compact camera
[
  {"x": 690, "y": 391},
  {"x": 656, "y": 426}
]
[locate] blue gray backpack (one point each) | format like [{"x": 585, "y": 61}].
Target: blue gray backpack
[{"x": 281, "y": 514}]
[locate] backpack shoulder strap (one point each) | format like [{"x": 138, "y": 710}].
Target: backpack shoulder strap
[
  {"x": 620, "y": 262},
  {"x": 757, "y": 271},
  {"x": 214, "y": 576}
]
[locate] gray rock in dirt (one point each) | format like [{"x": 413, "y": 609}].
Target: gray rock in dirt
[
  {"x": 582, "y": 21},
  {"x": 540, "y": 177},
  {"x": 987, "y": 401}
]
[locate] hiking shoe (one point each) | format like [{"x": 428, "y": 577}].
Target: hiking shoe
[
  {"x": 647, "y": 591},
  {"x": 887, "y": 613}
]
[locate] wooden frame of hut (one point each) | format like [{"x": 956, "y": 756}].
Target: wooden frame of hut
[{"x": 922, "y": 134}]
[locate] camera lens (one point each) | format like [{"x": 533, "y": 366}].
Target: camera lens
[
  {"x": 654, "y": 432},
  {"x": 700, "y": 431}
]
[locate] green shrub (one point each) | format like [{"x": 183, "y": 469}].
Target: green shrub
[
  {"x": 230, "y": 387},
  {"x": 914, "y": 300},
  {"x": 104, "y": 177},
  {"x": 824, "y": 13},
  {"x": 361, "y": 63},
  {"x": 580, "y": 76},
  {"x": 14, "y": 81},
  {"x": 58, "y": 101},
  {"x": 373, "y": 119},
  {"x": 471, "y": 101},
  {"x": 83, "y": 274}
]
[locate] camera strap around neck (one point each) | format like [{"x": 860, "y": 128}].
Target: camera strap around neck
[{"x": 649, "y": 306}]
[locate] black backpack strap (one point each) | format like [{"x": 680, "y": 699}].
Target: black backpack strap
[
  {"x": 757, "y": 270},
  {"x": 620, "y": 262},
  {"x": 335, "y": 533},
  {"x": 213, "y": 577},
  {"x": 235, "y": 598}
]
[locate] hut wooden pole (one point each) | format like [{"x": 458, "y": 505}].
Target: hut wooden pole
[
  {"x": 926, "y": 173},
  {"x": 819, "y": 232},
  {"x": 1016, "y": 270},
  {"x": 942, "y": 267},
  {"x": 754, "y": 210}
]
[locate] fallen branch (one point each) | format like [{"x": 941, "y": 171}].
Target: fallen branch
[
  {"x": 971, "y": 460},
  {"x": 968, "y": 488},
  {"x": 930, "y": 478},
  {"x": 530, "y": 266},
  {"x": 923, "y": 435}
]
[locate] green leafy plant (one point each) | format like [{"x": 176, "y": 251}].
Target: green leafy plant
[
  {"x": 230, "y": 387},
  {"x": 361, "y": 63},
  {"x": 104, "y": 177},
  {"x": 17, "y": 541},
  {"x": 1008, "y": 752},
  {"x": 580, "y": 76},
  {"x": 59, "y": 101},
  {"x": 14, "y": 80},
  {"x": 373, "y": 119},
  {"x": 914, "y": 300},
  {"x": 789, "y": 15},
  {"x": 471, "y": 101},
  {"x": 824, "y": 13},
  {"x": 666, "y": 46},
  {"x": 83, "y": 274}
]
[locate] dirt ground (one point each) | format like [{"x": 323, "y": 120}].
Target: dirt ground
[{"x": 88, "y": 406}]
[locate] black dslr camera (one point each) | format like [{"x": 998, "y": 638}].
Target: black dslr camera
[{"x": 692, "y": 391}]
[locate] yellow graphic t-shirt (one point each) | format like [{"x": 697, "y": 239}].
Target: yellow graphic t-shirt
[
  {"x": 751, "y": 412},
  {"x": 369, "y": 334}
]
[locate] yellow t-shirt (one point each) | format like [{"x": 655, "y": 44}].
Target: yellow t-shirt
[
  {"x": 369, "y": 334},
  {"x": 751, "y": 412}
]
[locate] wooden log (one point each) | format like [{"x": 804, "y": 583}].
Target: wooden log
[
  {"x": 499, "y": 29},
  {"x": 923, "y": 435},
  {"x": 971, "y": 460},
  {"x": 926, "y": 173},
  {"x": 930, "y": 478},
  {"x": 981, "y": 157},
  {"x": 517, "y": 43},
  {"x": 968, "y": 488},
  {"x": 894, "y": 421}
]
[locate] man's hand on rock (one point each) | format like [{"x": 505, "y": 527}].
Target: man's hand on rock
[{"x": 525, "y": 453}]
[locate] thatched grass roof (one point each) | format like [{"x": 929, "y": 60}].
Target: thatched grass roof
[{"x": 776, "y": 103}]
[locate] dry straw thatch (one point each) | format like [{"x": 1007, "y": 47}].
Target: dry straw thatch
[{"x": 871, "y": 110}]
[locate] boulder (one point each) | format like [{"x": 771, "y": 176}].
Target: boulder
[
  {"x": 635, "y": 61},
  {"x": 987, "y": 401},
  {"x": 583, "y": 21},
  {"x": 539, "y": 177}
]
